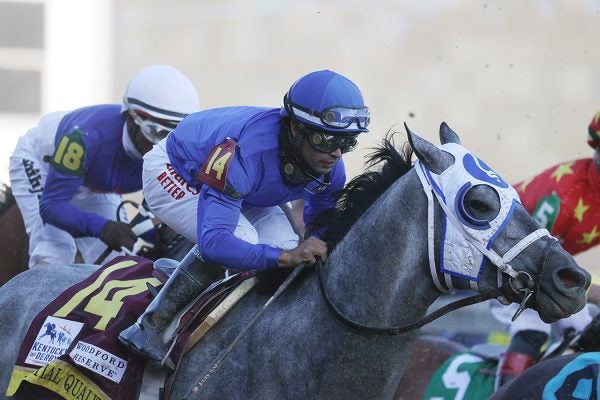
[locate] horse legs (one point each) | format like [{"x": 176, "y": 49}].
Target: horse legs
[{"x": 190, "y": 278}]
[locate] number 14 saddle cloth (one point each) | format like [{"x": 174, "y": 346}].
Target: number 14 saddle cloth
[{"x": 71, "y": 348}]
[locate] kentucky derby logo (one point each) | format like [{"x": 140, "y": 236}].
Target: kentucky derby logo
[{"x": 53, "y": 340}]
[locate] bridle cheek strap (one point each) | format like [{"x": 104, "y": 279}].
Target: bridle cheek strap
[{"x": 430, "y": 237}]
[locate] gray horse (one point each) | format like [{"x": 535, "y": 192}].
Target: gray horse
[{"x": 333, "y": 333}]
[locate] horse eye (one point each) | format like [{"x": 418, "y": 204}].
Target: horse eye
[{"x": 479, "y": 206}]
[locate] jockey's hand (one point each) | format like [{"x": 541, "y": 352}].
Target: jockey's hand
[
  {"x": 306, "y": 252},
  {"x": 118, "y": 234}
]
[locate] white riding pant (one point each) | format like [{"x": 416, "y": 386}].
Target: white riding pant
[
  {"x": 28, "y": 171},
  {"x": 175, "y": 203},
  {"x": 530, "y": 320}
]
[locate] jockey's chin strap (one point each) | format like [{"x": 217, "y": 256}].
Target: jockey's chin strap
[{"x": 520, "y": 282}]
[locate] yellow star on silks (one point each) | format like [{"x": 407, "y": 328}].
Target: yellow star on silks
[
  {"x": 580, "y": 209},
  {"x": 524, "y": 184},
  {"x": 590, "y": 236},
  {"x": 561, "y": 170}
]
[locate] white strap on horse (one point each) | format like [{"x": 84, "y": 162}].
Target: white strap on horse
[
  {"x": 430, "y": 230},
  {"x": 474, "y": 243}
]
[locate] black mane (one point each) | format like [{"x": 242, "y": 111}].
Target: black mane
[{"x": 363, "y": 190}]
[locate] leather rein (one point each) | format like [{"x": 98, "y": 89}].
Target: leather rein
[
  {"x": 397, "y": 330},
  {"x": 525, "y": 289}
]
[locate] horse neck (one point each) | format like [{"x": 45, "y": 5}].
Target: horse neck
[{"x": 379, "y": 273}]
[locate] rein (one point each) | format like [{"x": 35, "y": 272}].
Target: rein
[
  {"x": 222, "y": 356},
  {"x": 397, "y": 330},
  {"x": 523, "y": 285}
]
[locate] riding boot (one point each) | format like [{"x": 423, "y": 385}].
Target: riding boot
[
  {"x": 522, "y": 353},
  {"x": 190, "y": 278}
]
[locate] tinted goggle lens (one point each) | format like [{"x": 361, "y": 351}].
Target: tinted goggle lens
[
  {"x": 152, "y": 130},
  {"x": 342, "y": 117},
  {"x": 327, "y": 143}
]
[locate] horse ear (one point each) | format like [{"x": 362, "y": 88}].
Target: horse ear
[
  {"x": 447, "y": 135},
  {"x": 435, "y": 159}
]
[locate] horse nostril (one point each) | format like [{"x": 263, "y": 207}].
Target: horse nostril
[{"x": 570, "y": 278}]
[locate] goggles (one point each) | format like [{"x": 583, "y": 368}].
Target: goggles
[
  {"x": 326, "y": 143},
  {"x": 152, "y": 129},
  {"x": 338, "y": 117}
]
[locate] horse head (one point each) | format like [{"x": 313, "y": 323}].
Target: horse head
[{"x": 484, "y": 222}]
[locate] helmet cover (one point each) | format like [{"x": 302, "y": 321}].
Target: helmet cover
[{"x": 327, "y": 101}]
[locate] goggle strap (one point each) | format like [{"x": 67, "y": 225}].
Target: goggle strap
[
  {"x": 174, "y": 114},
  {"x": 295, "y": 110}
]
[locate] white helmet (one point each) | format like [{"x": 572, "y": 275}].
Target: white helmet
[{"x": 161, "y": 92}]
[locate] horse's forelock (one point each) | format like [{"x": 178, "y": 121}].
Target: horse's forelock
[{"x": 362, "y": 191}]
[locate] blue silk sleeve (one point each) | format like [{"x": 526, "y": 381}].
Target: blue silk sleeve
[
  {"x": 218, "y": 217},
  {"x": 55, "y": 208}
]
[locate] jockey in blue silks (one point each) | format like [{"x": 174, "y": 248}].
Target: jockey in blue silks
[{"x": 219, "y": 178}]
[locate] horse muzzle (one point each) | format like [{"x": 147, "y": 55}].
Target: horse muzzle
[{"x": 562, "y": 292}]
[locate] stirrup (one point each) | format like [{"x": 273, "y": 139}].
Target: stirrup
[
  {"x": 166, "y": 266},
  {"x": 139, "y": 346}
]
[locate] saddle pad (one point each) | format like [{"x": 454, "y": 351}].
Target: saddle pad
[{"x": 72, "y": 346}]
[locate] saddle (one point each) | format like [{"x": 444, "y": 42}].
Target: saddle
[{"x": 202, "y": 313}]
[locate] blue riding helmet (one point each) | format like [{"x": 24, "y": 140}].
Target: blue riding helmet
[{"x": 327, "y": 101}]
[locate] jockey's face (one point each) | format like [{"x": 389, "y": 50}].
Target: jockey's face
[
  {"x": 320, "y": 162},
  {"x": 141, "y": 143}
]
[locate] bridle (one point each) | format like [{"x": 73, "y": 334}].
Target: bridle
[{"x": 521, "y": 283}]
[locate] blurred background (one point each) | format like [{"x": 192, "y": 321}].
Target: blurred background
[{"x": 518, "y": 81}]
